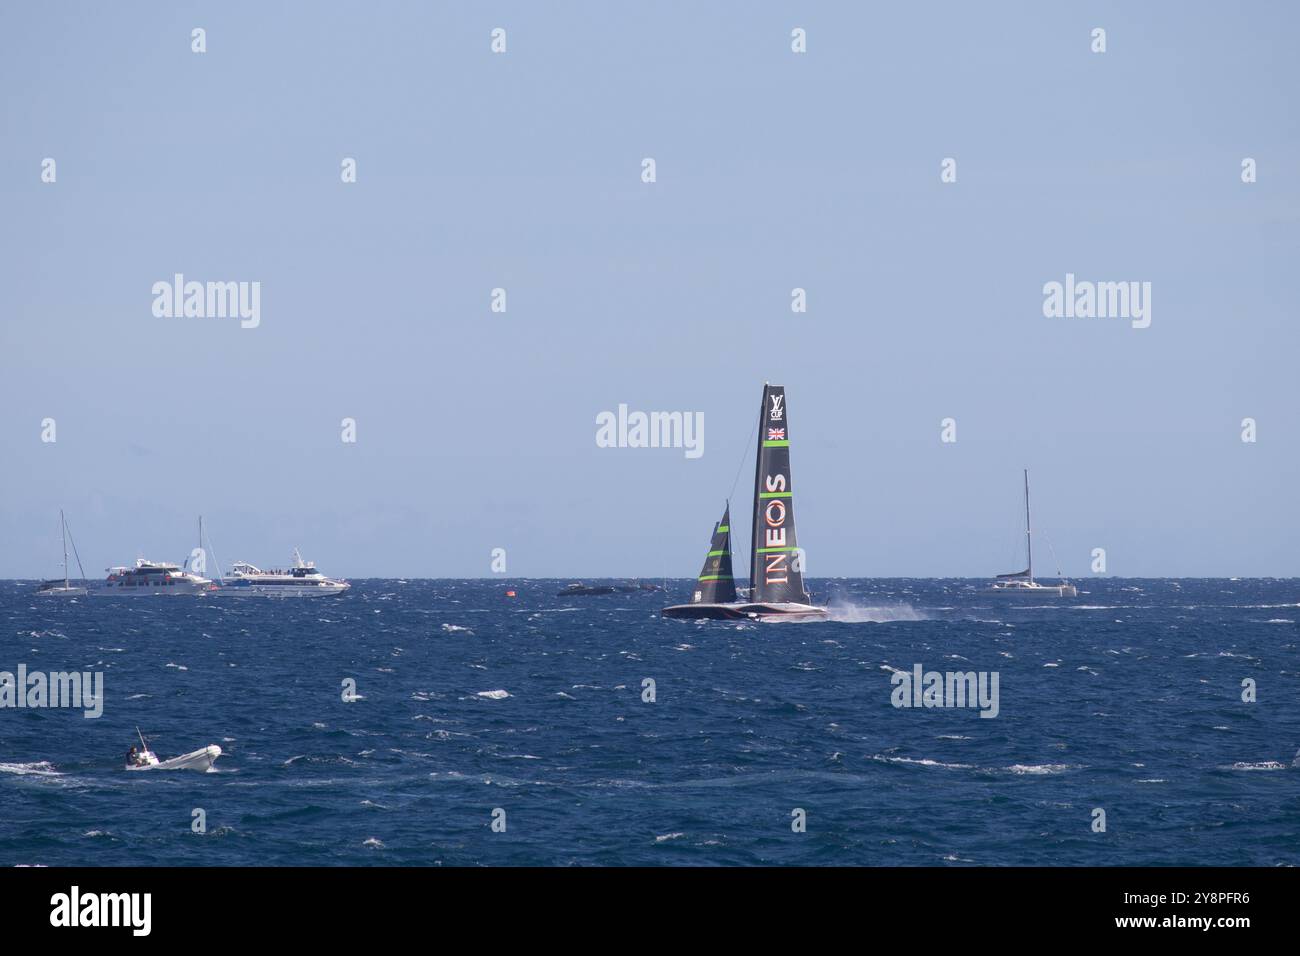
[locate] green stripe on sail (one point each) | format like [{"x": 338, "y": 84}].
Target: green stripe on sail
[
  {"x": 775, "y": 494},
  {"x": 767, "y": 550},
  {"x": 723, "y": 529},
  {"x": 715, "y": 577},
  {"x": 715, "y": 554},
  {"x": 777, "y": 444}
]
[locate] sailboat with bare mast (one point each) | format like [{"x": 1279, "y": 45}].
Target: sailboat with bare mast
[
  {"x": 1022, "y": 583},
  {"x": 65, "y": 588}
]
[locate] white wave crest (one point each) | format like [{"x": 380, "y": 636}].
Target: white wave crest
[
  {"x": 920, "y": 762},
  {"x": 1038, "y": 769}
]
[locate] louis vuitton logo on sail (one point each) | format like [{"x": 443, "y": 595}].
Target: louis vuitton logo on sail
[{"x": 651, "y": 430}]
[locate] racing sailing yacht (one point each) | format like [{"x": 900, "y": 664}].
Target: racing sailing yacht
[{"x": 776, "y": 563}]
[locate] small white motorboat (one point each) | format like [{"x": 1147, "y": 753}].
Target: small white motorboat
[{"x": 146, "y": 759}]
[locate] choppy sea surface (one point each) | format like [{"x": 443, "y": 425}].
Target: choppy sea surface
[{"x": 1128, "y": 698}]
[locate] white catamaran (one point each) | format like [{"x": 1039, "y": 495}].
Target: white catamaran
[
  {"x": 776, "y": 567},
  {"x": 65, "y": 588},
  {"x": 1022, "y": 583}
]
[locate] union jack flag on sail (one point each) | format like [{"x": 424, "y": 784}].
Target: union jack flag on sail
[{"x": 776, "y": 434}]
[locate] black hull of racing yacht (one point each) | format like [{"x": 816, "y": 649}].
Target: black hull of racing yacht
[{"x": 747, "y": 612}]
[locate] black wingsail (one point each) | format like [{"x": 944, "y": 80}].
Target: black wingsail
[
  {"x": 776, "y": 567},
  {"x": 716, "y": 585}
]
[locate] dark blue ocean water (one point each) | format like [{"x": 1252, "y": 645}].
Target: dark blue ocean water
[{"x": 1127, "y": 698}]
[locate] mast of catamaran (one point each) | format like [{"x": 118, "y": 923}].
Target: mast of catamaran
[
  {"x": 1029, "y": 540},
  {"x": 754, "y": 542},
  {"x": 63, "y": 528},
  {"x": 212, "y": 551}
]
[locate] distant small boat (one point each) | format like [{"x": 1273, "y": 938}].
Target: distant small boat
[
  {"x": 776, "y": 589},
  {"x": 582, "y": 590},
  {"x": 146, "y": 759},
  {"x": 1022, "y": 583},
  {"x": 65, "y": 588}
]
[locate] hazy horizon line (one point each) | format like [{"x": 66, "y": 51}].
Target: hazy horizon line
[{"x": 836, "y": 577}]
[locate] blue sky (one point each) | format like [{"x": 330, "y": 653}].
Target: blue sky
[{"x": 775, "y": 170}]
